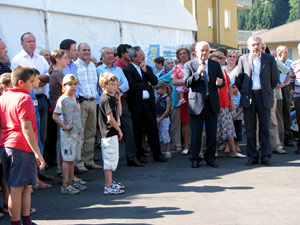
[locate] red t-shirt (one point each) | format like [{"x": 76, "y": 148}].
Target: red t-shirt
[
  {"x": 16, "y": 106},
  {"x": 223, "y": 92}
]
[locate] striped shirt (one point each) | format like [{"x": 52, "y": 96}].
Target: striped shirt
[
  {"x": 87, "y": 79},
  {"x": 295, "y": 77},
  {"x": 70, "y": 110}
]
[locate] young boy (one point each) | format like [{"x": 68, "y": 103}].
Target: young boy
[
  {"x": 110, "y": 110},
  {"x": 163, "y": 107},
  {"x": 20, "y": 151},
  {"x": 71, "y": 133},
  {"x": 40, "y": 184},
  {"x": 237, "y": 117}
]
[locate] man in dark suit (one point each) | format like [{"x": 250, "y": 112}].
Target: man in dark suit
[
  {"x": 141, "y": 103},
  {"x": 203, "y": 77},
  {"x": 257, "y": 77}
]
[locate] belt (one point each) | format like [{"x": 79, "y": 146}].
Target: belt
[
  {"x": 89, "y": 99},
  {"x": 256, "y": 91}
]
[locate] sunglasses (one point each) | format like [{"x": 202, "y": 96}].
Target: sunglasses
[{"x": 221, "y": 58}]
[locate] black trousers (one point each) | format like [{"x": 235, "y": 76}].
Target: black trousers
[
  {"x": 127, "y": 129},
  {"x": 196, "y": 123},
  {"x": 297, "y": 107},
  {"x": 146, "y": 121},
  {"x": 257, "y": 108},
  {"x": 286, "y": 109}
]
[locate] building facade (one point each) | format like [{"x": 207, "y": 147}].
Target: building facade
[{"x": 217, "y": 19}]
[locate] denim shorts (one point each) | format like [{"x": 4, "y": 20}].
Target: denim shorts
[{"x": 19, "y": 167}]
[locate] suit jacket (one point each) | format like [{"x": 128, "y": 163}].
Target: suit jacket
[
  {"x": 136, "y": 87},
  {"x": 269, "y": 77},
  {"x": 197, "y": 87}
]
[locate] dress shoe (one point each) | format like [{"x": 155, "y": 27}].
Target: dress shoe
[
  {"x": 251, "y": 162},
  {"x": 212, "y": 164},
  {"x": 96, "y": 158},
  {"x": 266, "y": 162},
  {"x": 195, "y": 164},
  {"x": 135, "y": 163},
  {"x": 93, "y": 166},
  {"x": 159, "y": 158},
  {"x": 143, "y": 159},
  {"x": 297, "y": 152},
  {"x": 288, "y": 144},
  {"x": 80, "y": 169}
]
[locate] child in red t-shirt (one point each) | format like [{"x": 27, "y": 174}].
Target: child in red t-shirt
[{"x": 19, "y": 146}]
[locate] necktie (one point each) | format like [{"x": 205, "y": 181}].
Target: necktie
[{"x": 205, "y": 79}]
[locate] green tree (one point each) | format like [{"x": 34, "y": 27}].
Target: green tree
[
  {"x": 295, "y": 10},
  {"x": 281, "y": 12},
  {"x": 265, "y": 14}
]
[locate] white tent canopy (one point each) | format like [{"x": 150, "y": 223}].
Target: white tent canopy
[{"x": 99, "y": 23}]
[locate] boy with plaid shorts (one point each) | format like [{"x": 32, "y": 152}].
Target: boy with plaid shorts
[
  {"x": 71, "y": 133},
  {"x": 110, "y": 110},
  {"x": 19, "y": 145}
]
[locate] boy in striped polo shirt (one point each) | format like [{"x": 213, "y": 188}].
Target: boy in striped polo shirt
[{"x": 71, "y": 133}]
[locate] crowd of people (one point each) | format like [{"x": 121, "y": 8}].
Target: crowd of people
[{"x": 58, "y": 106}]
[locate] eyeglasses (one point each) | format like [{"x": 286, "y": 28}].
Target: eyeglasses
[{"x": 231, "y": 56}]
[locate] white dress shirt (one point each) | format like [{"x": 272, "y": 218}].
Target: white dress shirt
[
  {"x": 36, "y": 61},
  {"x": 146, "y": 94}
]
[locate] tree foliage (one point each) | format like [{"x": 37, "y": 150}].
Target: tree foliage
[
  {"x": 295, "y": 10},
  {"x": 266, "y": 14}
]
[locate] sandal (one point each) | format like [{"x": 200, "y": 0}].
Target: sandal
[
  {"x": 227, "y": 151},
  {"x": 1, "y": 215},
  {"x": 42, "y": 185},
  {"x": 118, "y": 185},
  {"x": 112, "y": 191},
  {"x": 4, "y": 208},
  {"x": 32, "y": 210},
  {"x": 45, "y": 177},
  {"x": 80, "y": 181},
  {"x": 238, "y": 150}
]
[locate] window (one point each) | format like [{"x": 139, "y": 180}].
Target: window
[
  {"x": 227, "y": 19},
  {"x": 210, "y": 17},
  {"x": 290, "y": 54}
]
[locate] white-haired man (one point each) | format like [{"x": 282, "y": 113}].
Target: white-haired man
[
  {"x": 257, "y": 77},
  {"x": 203, "y": 76}
]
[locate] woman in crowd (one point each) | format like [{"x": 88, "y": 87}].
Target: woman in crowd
[
  {"x": 226, "y": 131},
  {"x": 183, "y": 55},
  {"x": 230, "y": 68}
]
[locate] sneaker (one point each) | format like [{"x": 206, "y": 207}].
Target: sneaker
[
  {"x": 185, "y": 152},
  {"x": 168, "y": 155},
  {"x": 238, "y": 155},
  {"x": 116, "y": 184},
  {"x": 70, "y": 190},
  {"x": 112, "y": 191},
  {"x": 180, "y": 103},
  {"x": 79, "y": 186},
  {"x": 279, "y": 150},
  {"x": 201, "y": 155}
]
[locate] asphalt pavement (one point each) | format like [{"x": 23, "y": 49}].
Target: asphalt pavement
[{"x": 175, "y": 193}]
